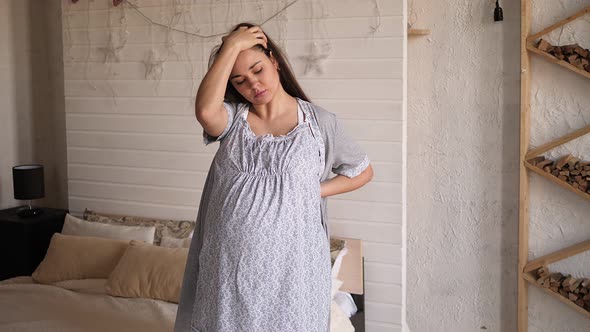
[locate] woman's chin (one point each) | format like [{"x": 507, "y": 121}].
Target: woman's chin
[{"x": 262, "y": 99}]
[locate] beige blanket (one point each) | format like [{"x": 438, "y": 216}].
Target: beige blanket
[
  {"x": 27, "y": 306},
  {"x": 83, "y": 306}
]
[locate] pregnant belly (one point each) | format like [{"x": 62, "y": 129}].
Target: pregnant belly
[
  {"x": 261, "y": 224},
  {"x": 274, "y": 205}
]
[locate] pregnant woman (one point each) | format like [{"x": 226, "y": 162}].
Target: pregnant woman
[{"x": 260, "y": 257}]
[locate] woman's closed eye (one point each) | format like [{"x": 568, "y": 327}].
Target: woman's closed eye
[{"x": 242, "y": 81}]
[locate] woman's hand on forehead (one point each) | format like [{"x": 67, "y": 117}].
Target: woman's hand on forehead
[{"x": 244, "y": 38}]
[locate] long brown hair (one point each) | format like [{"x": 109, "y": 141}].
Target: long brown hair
[{"x": 287, "y": 79}]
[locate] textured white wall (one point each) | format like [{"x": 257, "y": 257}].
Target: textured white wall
[
  {"x": 32, "y": 120},
  {"x": 134, "y": 146},
  {"x": 463, "y": 149},
  {"x": 463, "y": 114}
]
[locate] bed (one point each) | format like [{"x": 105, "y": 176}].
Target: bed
[{"x": 81, "y": 286}]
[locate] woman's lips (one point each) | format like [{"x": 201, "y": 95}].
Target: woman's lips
[{"x": 259, "y": 94}]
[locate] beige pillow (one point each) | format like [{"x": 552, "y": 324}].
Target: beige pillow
[
  {"x": 79, "y": 227},
  {"x": 149, "y": 271},
  {"x": 79, "y": 257}
]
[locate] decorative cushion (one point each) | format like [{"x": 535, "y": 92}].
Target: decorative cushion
[
  {"x": 337, "y": 252},
  {"x": 336, "y": 245},
  {"x": 79, "y": 257},
  {"x": 149, "y": 271},
  {"x": 79, "y": 227},
  {"x": 173, "y": 228},
  {"x": 172, "y": 242}
]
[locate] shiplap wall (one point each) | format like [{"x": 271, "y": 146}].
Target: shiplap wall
[{"x": 134, "y": 146}]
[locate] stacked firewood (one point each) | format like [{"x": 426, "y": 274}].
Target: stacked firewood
[
  {"x": 569, "y": 169},
  {"x": 574, "y": 289},
  {"x": 574, "y": 54}
]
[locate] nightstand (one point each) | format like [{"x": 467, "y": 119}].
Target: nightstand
[{"x": 24, "y": 241}]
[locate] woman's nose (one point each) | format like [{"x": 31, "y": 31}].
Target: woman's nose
[
  {"x": 253, "y": 85},
  {"x": 252, "y": 80}
]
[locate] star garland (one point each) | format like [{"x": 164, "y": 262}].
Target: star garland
[
  {"x": 154, "y": 66},
  {"x": 318, "y": 52},
  {"x": 136, "y": 8},
  {"x": 314, "y": 60},
  {"x": 110, "y": 50}
]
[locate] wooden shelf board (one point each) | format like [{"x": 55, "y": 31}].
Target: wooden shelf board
[
  {"x": 560, "y": 141},
  {"x": 556, "y": 180},
  {"x": 531, "y": 279},
  {"x": 559, "y": 24},
  {"x": 557, "y": 256},
  {"x": 418, "y": 32},
  {"x": 555, "y": 60}
]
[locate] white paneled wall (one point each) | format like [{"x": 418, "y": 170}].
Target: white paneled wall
[{"x": 134, "y": 146}]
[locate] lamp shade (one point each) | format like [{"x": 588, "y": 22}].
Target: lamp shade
[{"x": 28, "y": 182}]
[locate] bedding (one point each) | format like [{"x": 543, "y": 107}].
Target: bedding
[
  {"x": 84, "y": 306},
  {"x": 29, "y": 306},
  {"x": 88, "y": 283}
]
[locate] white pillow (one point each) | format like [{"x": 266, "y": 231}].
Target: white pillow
[
  {"x": 346, "y": 303},
  {"x": 336, "y": 284},
  {"x": 79, "y": 227}
]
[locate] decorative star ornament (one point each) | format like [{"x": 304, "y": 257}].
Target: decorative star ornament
[
  {"x": 314, "y": 60},
  {"x": 111, "y": 52},
  {"x": 154, "y": 67}
]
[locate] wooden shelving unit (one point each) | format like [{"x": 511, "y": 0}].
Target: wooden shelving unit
[{"x": 526, "y": 267}]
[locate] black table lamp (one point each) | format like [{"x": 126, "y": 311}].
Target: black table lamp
[{"x": 29, "y": 184}]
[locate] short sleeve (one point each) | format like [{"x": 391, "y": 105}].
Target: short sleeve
[
  {"x": 349, "y": 158},
  {"x": 231, "y": 110}
]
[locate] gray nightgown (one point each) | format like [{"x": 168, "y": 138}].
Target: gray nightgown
[
  {"x": 259, "y": 260},
  {"x": 264, "y": 260}
]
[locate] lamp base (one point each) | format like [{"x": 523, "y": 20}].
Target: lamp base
[{"x": 27, "y": 212}]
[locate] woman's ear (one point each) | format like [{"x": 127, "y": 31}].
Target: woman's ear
[{"x": 274, "y": 61}]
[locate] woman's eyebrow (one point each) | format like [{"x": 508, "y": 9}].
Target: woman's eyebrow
[{"x": 257, "y": 62}]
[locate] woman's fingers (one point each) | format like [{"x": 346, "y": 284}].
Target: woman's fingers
[
  {"x": 246, "y": 37},
  {"x": 263, "y": 40},
  {"x": 255, "y": 29}
]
